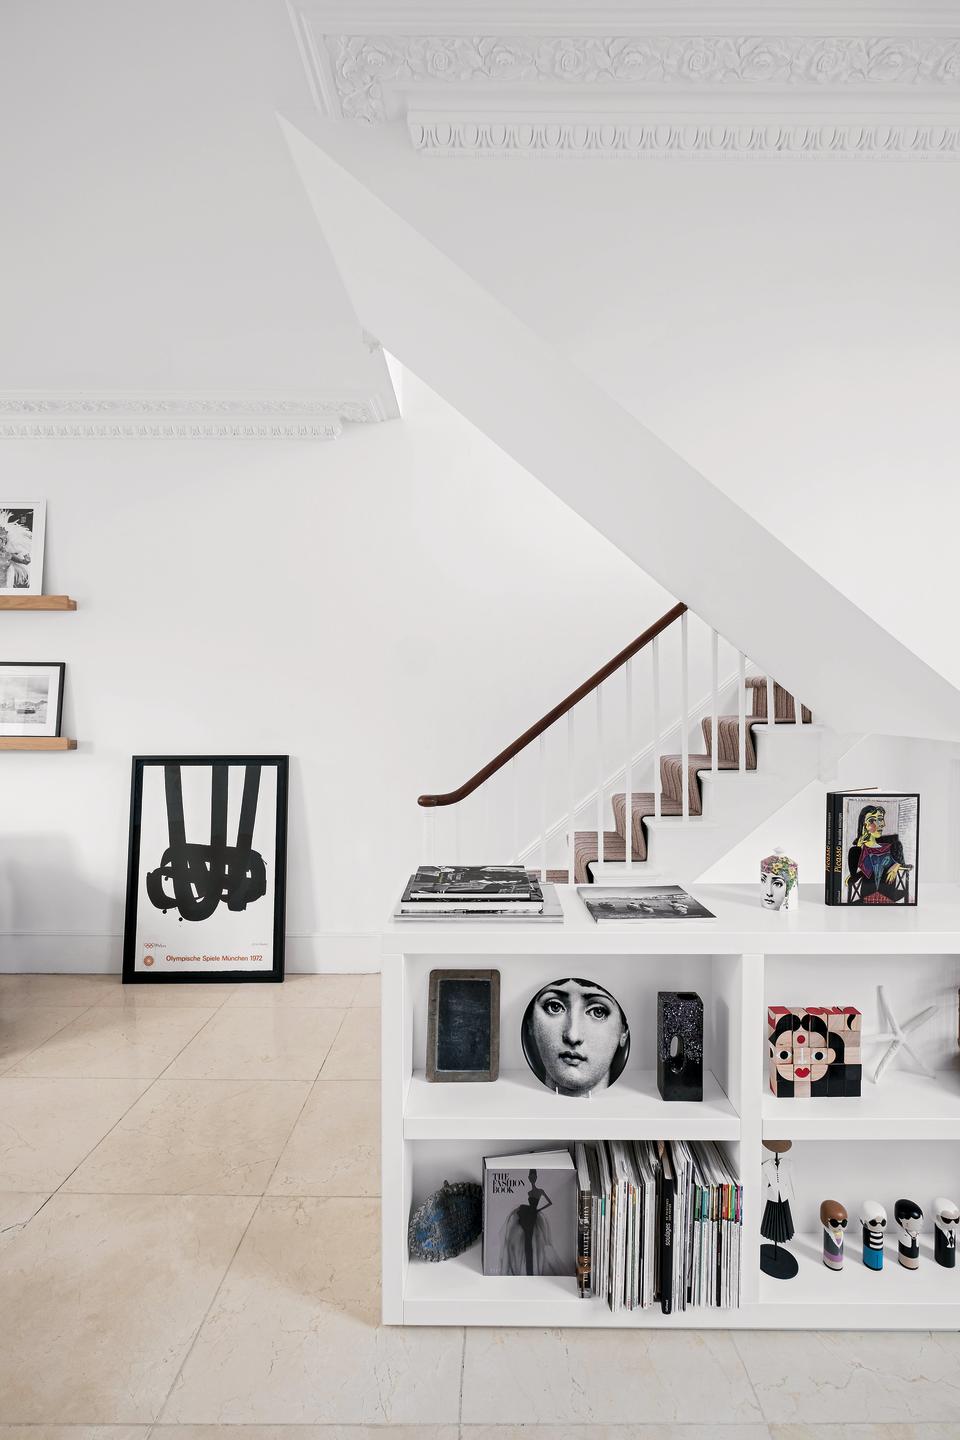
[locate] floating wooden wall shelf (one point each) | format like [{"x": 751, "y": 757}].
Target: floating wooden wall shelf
[
  {"x": 36, "y": 742},
  {"x": 37, "y": 602}
]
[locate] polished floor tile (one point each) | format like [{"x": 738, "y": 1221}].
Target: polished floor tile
[
  {"x": 809, "y": 1377},
  {"x": 48, "y": 1126},
  {"x": 293, "y": 1337},
  {"x": 368, "y": 991},
  {"x": 23, "y": 1028},
  {"x": 170, "y": 996},
  {"x": 302, "y": 1432},
  {"x": 563, "y": 1377},
  {"x": 80, "y": 990},
  {"x": 17, "y": 1209},
  {"x": 335, "y": 1145},
  {"x": 273, "y": 1043},
  {"x": 907, "y": 1431},
  {"x": 355, "y": 1054},
  {"x": 315, "y": 992},
  {"x": 74, "y": 1432},
  {"x": 108, "y": 1292},
  {"x": 115, "y": 1042},
  {"x": 190, "y": 1137},
  {"x": 755, "y": 1431}
]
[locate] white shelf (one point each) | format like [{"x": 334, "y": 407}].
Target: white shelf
[
  {"x": 905, "y": 1130},
  {"x": 893, "y": 1288},
  {"x": 456, "y": 1292},
  {"x": 518, "y": 1107},
  {"x": 741, "y": 926},
  {"x": 902, "y": 1107}
]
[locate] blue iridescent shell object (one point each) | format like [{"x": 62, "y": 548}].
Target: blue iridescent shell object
[{"x": 448, "y": 1222}]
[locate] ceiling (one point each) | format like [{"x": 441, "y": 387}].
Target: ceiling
[{"x": 163, "y": 272}]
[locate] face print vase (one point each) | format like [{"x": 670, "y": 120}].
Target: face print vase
[
  {"x": 575, "y": 1037},
  {"x": 778, "y": 882}
]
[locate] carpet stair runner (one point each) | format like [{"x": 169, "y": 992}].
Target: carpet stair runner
[{"x": 585, "y": 848}]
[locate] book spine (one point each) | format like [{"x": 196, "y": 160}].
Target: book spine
[
  {"x": 666, "y": 1247},
  {"x": 834, "y": 844},
  {"x": 584, "y": 1220}
]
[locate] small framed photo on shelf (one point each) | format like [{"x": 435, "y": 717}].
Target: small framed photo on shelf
[
  {"x": 206, "y": 869},
  {"x": 21, "y": 546},
  {"x": 31, "y": 698},
  {"x": 463, "y": 1026}
]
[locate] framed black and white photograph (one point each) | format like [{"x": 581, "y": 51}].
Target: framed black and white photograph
[
  {"x": 31, "y": 698},
  {"x": 206, "y": 872},
  {"x": 21, "y": 546},
  {"x": 463, "y": 1025}
]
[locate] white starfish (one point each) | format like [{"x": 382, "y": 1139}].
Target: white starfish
[{"x": 896, "y": 1036}]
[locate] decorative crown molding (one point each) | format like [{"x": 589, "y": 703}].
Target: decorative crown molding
[
  {"x": 795, "y": 93},
  {"x": 34, "y": 416}
]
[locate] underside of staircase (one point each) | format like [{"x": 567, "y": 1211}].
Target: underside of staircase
[{"x": 586, "y": 849}]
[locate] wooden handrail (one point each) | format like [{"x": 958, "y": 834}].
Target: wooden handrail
[{"x": 558, "y": 711}]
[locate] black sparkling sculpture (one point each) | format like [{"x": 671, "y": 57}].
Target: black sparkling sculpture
[{"x": 679, "y": 1045}]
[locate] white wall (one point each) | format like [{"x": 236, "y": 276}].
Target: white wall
[
  {"x": 931, "y": 770},
  {"x": 390, "y": 610},
  {"x": 788, "y": 328}
]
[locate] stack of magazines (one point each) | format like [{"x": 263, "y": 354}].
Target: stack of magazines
[
  {"x": 658, "y": 1221},
  {"x": 477, "y": 892}
]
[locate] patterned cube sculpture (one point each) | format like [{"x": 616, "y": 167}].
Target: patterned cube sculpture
[{"x": 814, "y": 1051}]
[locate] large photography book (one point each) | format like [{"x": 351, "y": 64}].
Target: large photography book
[
  {"x": 530, "y": 1214},
  {"x": 642, "y": 902},
  {"x": 871, "y": 848},
  {"x": 472, "y": 882}
]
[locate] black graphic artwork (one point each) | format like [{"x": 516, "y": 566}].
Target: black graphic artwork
[{"x": 195, "y": 878}]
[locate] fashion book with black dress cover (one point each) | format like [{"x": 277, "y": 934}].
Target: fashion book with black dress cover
[
  {"x": 642, "y": 902},
  {"x": 871, "y": 848},
  {"x": 530, "y": 1214}
]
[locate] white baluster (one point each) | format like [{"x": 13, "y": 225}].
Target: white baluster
[
  {"x": 655, "y": 667},
  {"x": 771, "y": 711},
  {"x": 797, "y": 711},
  {"x": 571, "y": 799},
  {"x": 489, "y": 850},
  {"x": 543, "y": 808},
  {"x": 600, "y": 775},
  {"x": 714, "y": 703},
  {"x": 684, "y": 718},
  {"x": 456, "y": 834},
  {"x": 628, "y": 796},
  {"x": 515, "y": 786},
  {"x": 741, "y": 710}
]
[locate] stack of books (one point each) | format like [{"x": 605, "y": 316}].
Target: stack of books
[
  {"x": 658, "y": 1221},
  {"x": 477, "y": 892}
]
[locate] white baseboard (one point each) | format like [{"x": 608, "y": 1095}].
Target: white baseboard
[{"x": 35, "y": 952}]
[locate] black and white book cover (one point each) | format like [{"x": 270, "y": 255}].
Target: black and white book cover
[
  {"x": 472, "y": 882},
  {"x": 642, "y": 902},
  {"x": 530, "y": 1214}
]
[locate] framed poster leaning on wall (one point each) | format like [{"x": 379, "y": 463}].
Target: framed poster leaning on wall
[{"x": 206, "y": 870}]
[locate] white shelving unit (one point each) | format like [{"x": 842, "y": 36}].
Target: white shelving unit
[{"x": 902, "y": 1137}]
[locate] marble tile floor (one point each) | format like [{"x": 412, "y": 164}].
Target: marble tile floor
[{"x": 189, "y": 1186}]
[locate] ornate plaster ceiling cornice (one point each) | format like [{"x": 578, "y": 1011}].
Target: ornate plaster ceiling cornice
[
  {"x": 777, "y": 88},
  {"x": 29, "y": 415}
]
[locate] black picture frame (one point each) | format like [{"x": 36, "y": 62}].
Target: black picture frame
[
  {"x": 449, "y": 1012},
  {"x": 131, "y": 973},
  {"x": 61, "y": 668}
]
